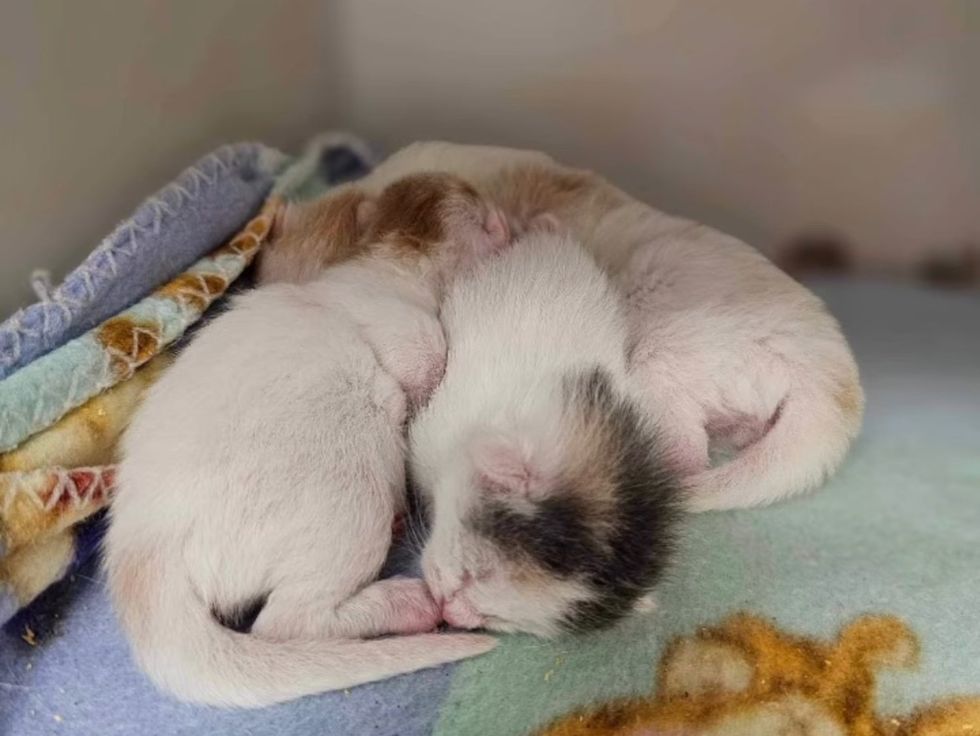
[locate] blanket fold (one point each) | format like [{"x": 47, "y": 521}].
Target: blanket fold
[{"x": 168, "y": 232}]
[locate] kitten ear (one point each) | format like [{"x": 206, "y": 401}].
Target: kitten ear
[
  {"x": 503, "y": 466},
  {"x": 497, "y": 229}
]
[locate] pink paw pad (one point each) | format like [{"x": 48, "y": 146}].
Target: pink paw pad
[{"x": 413, "y": 607}]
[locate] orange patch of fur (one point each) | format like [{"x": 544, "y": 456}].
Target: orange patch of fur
[
  {"x": 528, "y": 190},
  {"x": 411, "y": 212},
  {"x": 309, "y": 237}
]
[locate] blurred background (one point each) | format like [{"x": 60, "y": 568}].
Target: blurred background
[{"x": 841, "y": 134}]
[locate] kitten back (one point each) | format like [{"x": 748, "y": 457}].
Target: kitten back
[
  {"x": 412, "y": 212},
  {"x": 308, "y": 237}
]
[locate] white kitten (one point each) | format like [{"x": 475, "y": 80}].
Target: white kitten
[
  {"x": 551, "y": 507},
  {"x": 261, "y": 476},
  {"x": 728, "y": 353}
]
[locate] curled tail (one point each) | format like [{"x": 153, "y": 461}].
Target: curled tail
[
  {"x": 185, "y": 651},
  {"x": 807, "y": 443}
]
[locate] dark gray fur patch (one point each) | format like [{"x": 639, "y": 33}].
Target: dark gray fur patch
[
  {"x": 241, "y": 617},
  {"x": 623, "y": 554}
]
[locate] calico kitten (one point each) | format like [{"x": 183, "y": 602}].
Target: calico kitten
[
  {"x": 748, "y": 378},
  {"x": 553, "y": 507},
  {"x": 262, "y": 474}
]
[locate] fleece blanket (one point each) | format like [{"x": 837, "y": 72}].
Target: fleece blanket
[
  {"x": 62, "y": 412},
  {"x": 850, "y": 612},
  {"x": 202, "y": 207}
]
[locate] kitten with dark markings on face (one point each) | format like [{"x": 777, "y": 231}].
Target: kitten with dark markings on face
[
  {"x": 764, "y": 395},
  {"x": 552, "y": 506},
  {"x": 262, "y": 474}
]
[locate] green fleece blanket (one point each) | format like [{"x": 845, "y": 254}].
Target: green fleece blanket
[{"x": 852, "y": 611}]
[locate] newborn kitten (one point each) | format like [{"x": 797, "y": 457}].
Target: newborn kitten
[
  {"x": 326, "y": 230},
  {"x": 262, "y": 474},
  {"x": 551, "y": 505},
  {"x": 732, "y": 358}
]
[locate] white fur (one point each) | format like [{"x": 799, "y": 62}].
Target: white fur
[
  {"x": 515, "y": 329},
  {"x": 722, "y": 337},
  {"x": 729, "y": 352},
  {"x": 270, "y": 459}
]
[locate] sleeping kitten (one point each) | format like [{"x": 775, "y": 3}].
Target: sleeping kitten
[
  {"x": 746, "y": 374},
  {"x": 303, "y": 253},
  {"x": 552, "y": 508},
  {"x": 262, "y": 474}
]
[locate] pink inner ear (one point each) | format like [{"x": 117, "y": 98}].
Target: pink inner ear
[
  {"x": 497, "y": 228},
  {"x": 502, "y": 467}
]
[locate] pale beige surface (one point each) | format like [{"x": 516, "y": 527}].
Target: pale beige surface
[{"x": 762, "y": 117}]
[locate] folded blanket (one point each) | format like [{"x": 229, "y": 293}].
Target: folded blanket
[
  {"x": 38, "y": 509},
  {"x": 56, "y": 479},
  {"x": 42, "y": 392},
  {"x": 170, "y": 230},
  {"x": 87, "y": 435},
  {"x": 62, "y": 413}
]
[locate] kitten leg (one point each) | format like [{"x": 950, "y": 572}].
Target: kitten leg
[
  {"x": 680, "y": 427},
  {"x": 412, "y": 348},
  {"x": 391, "y": 606},
  {"x": 685, "y": 444}
]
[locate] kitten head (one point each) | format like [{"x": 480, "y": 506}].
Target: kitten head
[
  {"x": 564, "y": 523},
  {"x": 310, "y": 236},
  {"x": 438, "y": 219}
]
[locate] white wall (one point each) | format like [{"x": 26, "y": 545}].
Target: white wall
[
  {"x": 103, "y": 101},
  {"x": 764, "y": 117}
]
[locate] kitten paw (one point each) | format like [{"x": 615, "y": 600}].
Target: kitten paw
[{"x": 414, "y": 609}]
